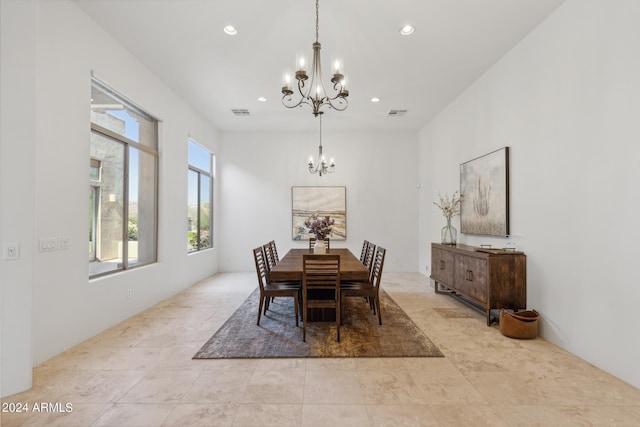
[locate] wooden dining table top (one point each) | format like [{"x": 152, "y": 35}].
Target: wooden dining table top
[{"x": 290, "y": 266}]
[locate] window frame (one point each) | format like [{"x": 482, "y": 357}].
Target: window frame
[
  {"x": 211, "y": 175},
  {"x": 128, "y": 144}
]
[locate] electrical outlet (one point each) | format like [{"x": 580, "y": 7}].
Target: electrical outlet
[
  {"x": 11, "y": 251},
  {"x": 129, "y": 293}
]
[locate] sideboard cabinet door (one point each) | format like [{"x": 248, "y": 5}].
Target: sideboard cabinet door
[
  {"x": 471, "y": 277},
  {"x": 442, "y": 265}
]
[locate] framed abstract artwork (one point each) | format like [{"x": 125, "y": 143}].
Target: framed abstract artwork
[
  {"x": 307, "y": 202},
  {"x": 484, "y": 184}
]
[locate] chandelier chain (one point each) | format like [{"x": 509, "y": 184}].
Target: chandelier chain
[{"x": 317, "y": 19}]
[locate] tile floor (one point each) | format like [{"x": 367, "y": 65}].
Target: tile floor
[{"x": 140, "y": 373}]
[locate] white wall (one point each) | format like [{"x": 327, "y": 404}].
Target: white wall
[
  {"x": 567, "y": 102},
  {"x": 379, "y": 171},
  {"x": 53, "y": 48},
  {"x": 17, "y": 151}
]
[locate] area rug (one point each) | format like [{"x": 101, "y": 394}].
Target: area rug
[{"x": 277, "y": 336}]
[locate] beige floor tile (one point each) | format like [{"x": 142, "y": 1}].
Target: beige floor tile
[
  {"x": 135, "y": 415},
  {"x": 333, "y": 386},
  {"x": 91, "y": 386},
  {"x": 566, "y": 416},
  {"x": 161, "y": 387},
  {"x": 446, "y": 386},
  {"x": 401, "y": 415},
  {"x": 201, "y": 415},
  {"x": 389, "y": 387},
  {"x": 244, "y": 365},
  {"x": 281, "y": 365},
  {"x": 469, "y": 415},
  {"x": 79, "y": 415},
  {"x": 334, "y": 415},
  {"x": 499, "y": 388},
  {"x": 84, "y": 358},
  {"x": 284, "y": 386},
  {"x": 336, "y": 364},
  {"x": 218, "y": 387},
  {"x": 266, "y": 415}
]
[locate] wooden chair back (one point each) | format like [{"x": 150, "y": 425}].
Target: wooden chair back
[
  {"x": 320, "y": 273},
  {"x": 369, "y": 258},
  {"x": 378, "y": 264},
  {"x": 363, "y": 253},
  {"x": 312, "y": 242},
  {"x": 269, "y": 257},
  {"x": 261, "y": 268},
  {"x": 274, "y": 251}
]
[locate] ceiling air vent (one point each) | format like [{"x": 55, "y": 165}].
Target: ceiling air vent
[
  {"x": 397, "y": 113},
  {"x": 240, "y": 112}
]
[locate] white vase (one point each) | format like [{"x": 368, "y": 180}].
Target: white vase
[{"x": 319, "y": 247}]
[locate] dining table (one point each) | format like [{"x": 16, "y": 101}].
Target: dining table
[{"x": 290, "y": 266}]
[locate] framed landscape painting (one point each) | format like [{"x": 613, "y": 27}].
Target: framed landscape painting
[
  {"x": 319, "y": 201},
  {"x": 484, "y": 184}
]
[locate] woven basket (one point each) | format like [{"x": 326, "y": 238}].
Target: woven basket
[{"x": 522, "y": 325}]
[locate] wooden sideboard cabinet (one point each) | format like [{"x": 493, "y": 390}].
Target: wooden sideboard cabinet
[{"x": 488, "y": 278}]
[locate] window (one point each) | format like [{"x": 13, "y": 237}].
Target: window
[
  {"x": 200, "y": 198},
  {"x": 123, "y": 193}
]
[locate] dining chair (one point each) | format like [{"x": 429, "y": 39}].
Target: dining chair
[
  {"x": 270, "y": 258},
  {"x": 369, "y": 256},
  {"x": 363, "y": 253},
  {"x": 270, "y": 290},
  {"x": 371, "y": 289},
  {"x": 320, "y": 287},
  {"x": 274, "y": 251},
  {"x": 312, "y": 241}
]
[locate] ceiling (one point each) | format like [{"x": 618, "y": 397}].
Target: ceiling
[{"x": 454, "y": 43}]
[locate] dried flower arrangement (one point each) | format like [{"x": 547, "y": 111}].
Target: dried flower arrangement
[
  {"x": 319, "y": 227},
  {"x": 450, "y": 207}
]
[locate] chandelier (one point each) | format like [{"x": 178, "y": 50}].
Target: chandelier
[
  {"x": 321, "y": 167},
  {"x": 314, "y": 93}
]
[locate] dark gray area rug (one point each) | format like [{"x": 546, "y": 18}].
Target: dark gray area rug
[{"x": 277, "y": 336}]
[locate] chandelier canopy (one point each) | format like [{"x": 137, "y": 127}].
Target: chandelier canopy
[
  {"x": 314, "y": 93},
  {"x": 321, "y": 168}
]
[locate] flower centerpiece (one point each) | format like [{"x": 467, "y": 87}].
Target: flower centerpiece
[
  {"x": 321, "y": 228},
  {"x": 450, "y": 207}
]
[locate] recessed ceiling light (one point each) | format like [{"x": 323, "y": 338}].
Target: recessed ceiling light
[
  {"x": 231, "y": 30},
  {"x": 262, "y": 99},
  {"x": 375, "y": 99},
  {"x": 407, "y": 30}
]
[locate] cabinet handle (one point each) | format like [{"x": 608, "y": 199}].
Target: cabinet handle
[
  {"x": 441, "y": 265},
  {"x": 470, "y": 275}
]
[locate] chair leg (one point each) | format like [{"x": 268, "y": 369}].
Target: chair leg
[
  {"x": 304, "y": 318},
  {"x": 260, "y": 309},
  {"x": 338, "y": 309},
  {"x": 377, "y": 304},
  {"x": 295, "y": 306}
]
